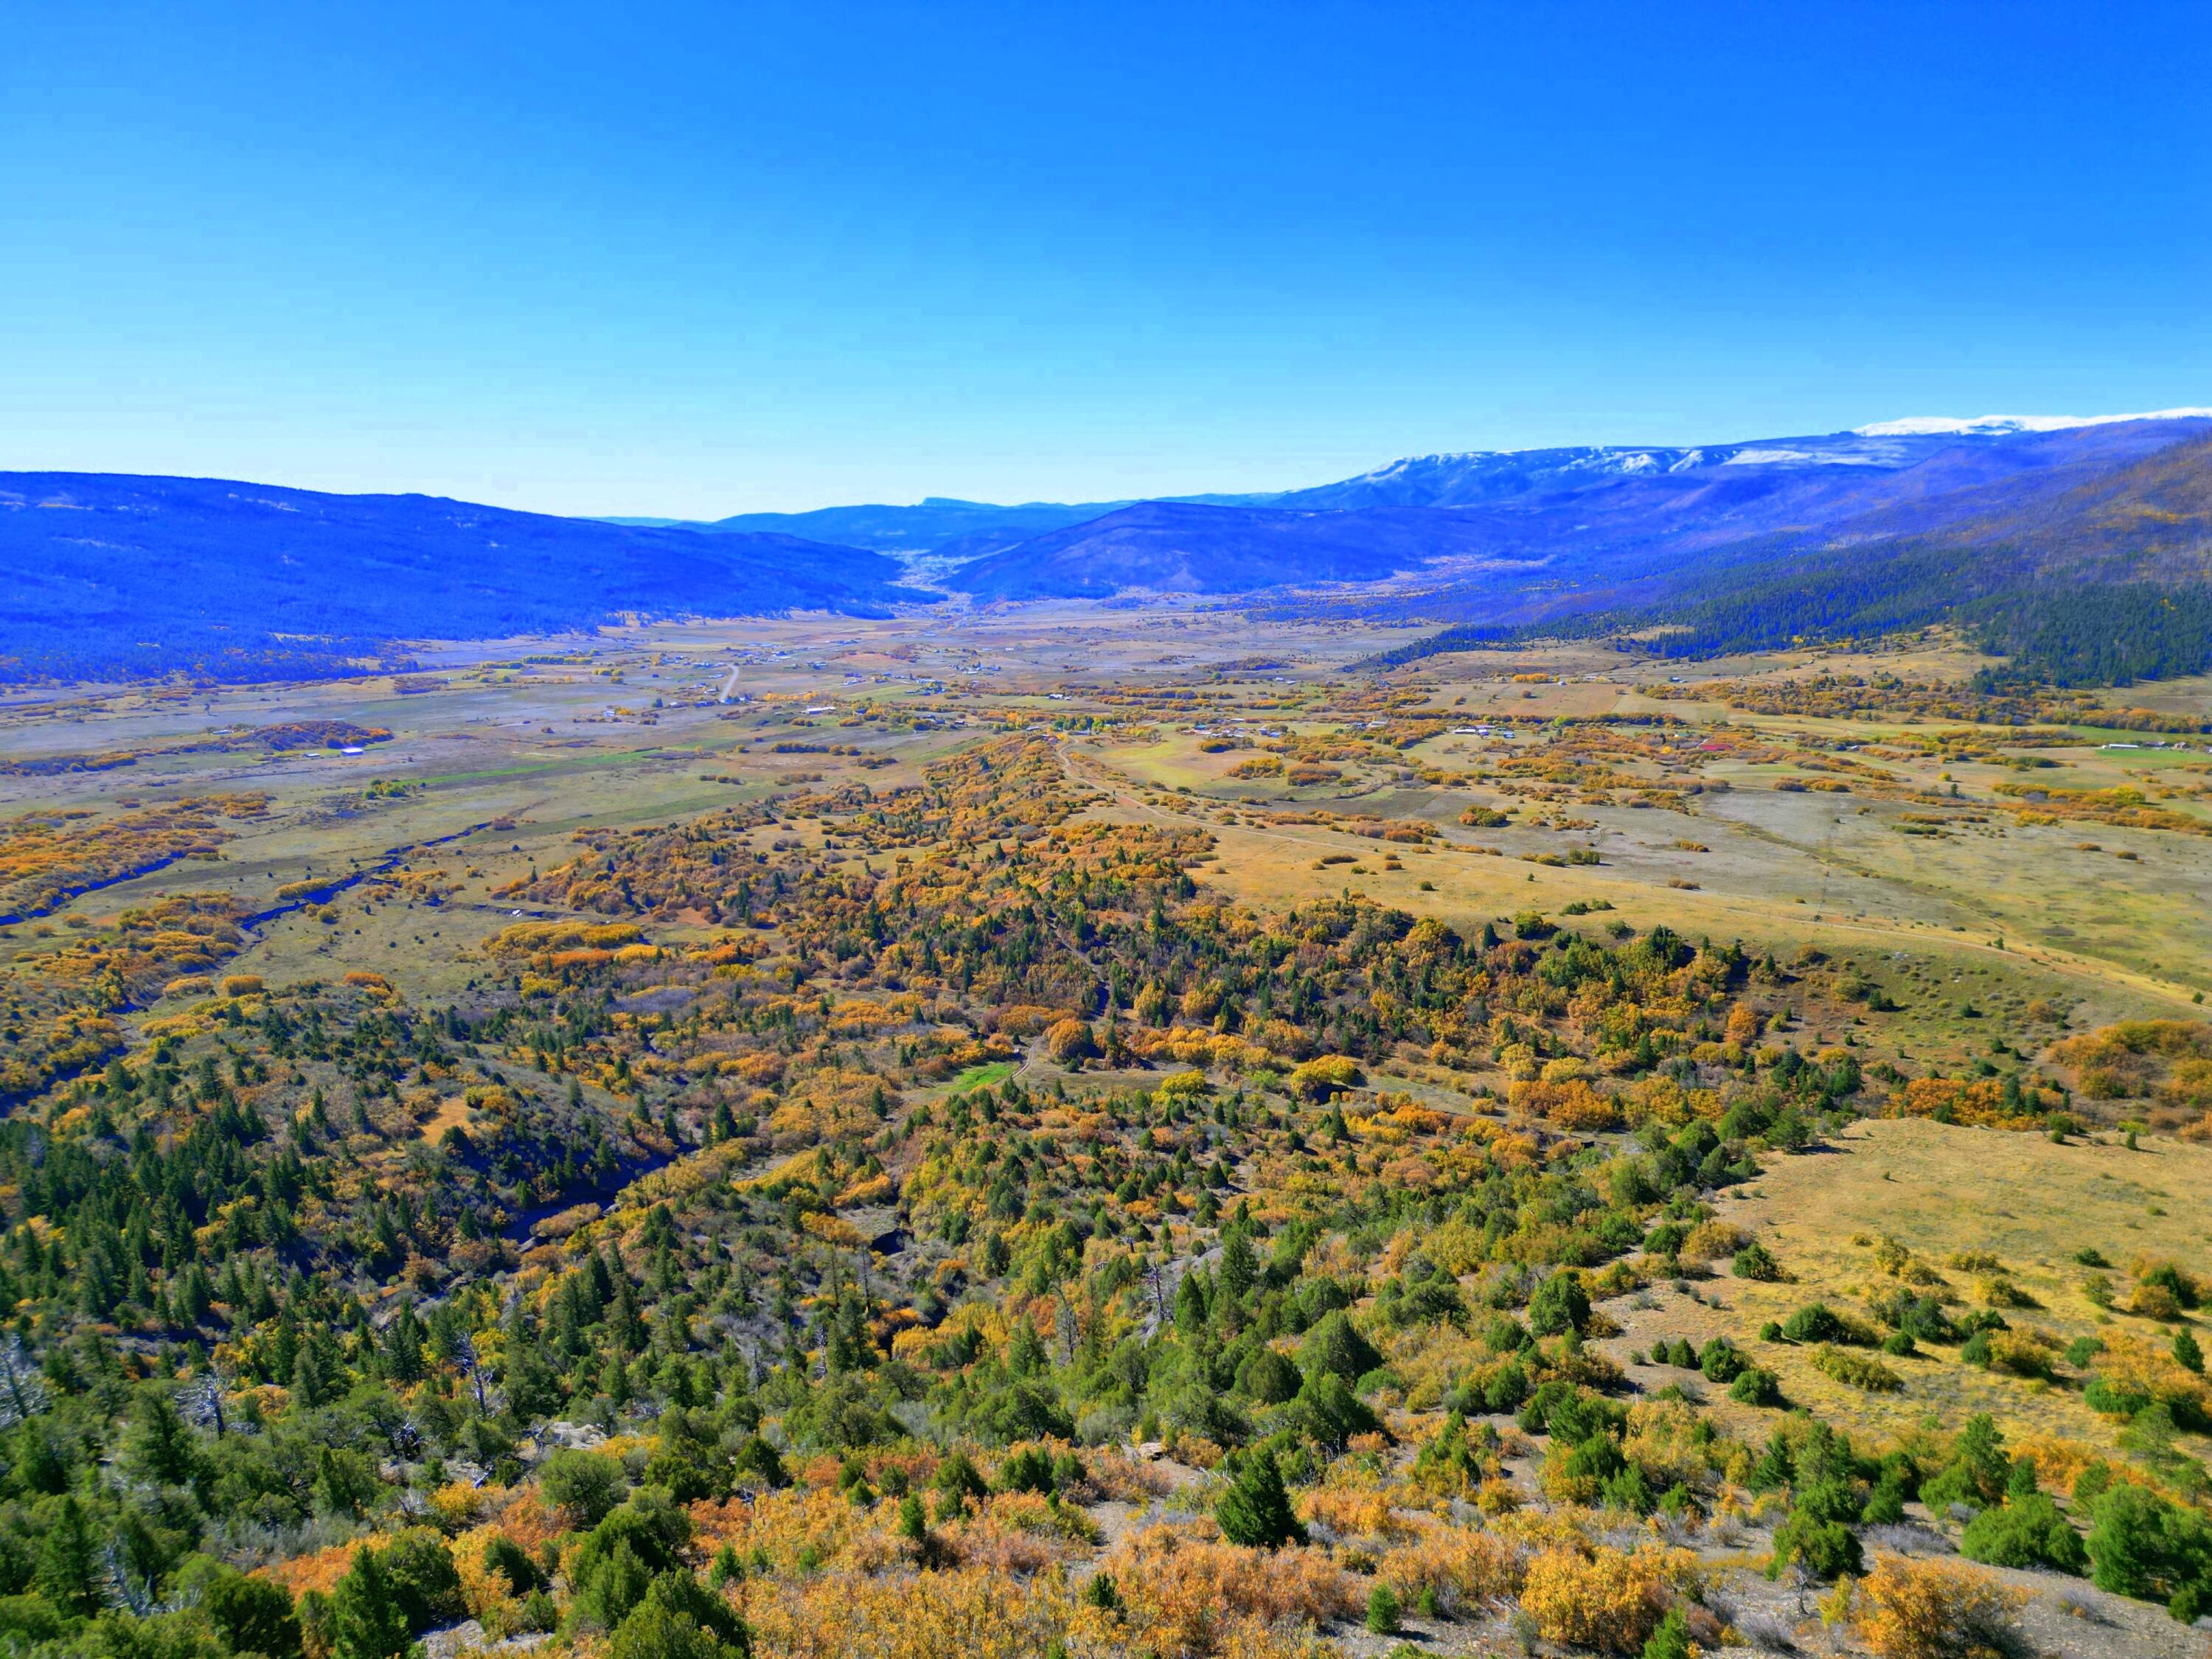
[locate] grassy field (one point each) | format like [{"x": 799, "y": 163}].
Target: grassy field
[{"x": 2026, "y": 1207}]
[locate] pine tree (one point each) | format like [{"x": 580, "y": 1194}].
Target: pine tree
[
  {"x": 1671, "y": 1640},
  {"x": 366, "y": 1622},
  {"x": 1257, "y": 1510},
  {"x": 161, "y": 1447},
  {"x": 1239, "y": 1266},
  {"x": 2187, "y": 1353},
  {"x": 69, "y": 1561}
]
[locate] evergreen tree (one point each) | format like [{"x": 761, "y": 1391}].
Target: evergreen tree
[
  {"x": 69, "y": 1561},
  {"x": 1672, "y": 1638},
  {"x": 366, "y": 1620},
  {"x": 1239, "y": 1266},
  {"x": 160, "y": 1448},
  {"x": 1256, "y": 1509}
]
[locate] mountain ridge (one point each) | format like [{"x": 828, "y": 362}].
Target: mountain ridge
[
  {"x": 118, "y": 573},
  {"x": 106, "y": 575}
]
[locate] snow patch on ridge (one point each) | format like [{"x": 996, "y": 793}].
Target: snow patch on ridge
[{"x": 1991, "y": 426}]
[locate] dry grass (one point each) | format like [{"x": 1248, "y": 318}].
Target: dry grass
[{"x": 1941, "y": 1192}]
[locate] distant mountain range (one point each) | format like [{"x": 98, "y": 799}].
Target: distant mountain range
[
  {"x": 1469, "y": 478},
  {"x": 1893, "y": 523},
  {"x": 105, "y": 574}
]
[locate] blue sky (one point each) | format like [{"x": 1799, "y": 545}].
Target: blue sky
[{"x": 694, "y": 261}]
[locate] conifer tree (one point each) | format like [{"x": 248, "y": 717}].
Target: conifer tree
[
  {"x": 366, "y": 1622},
  {"x": 69, "y": 1561},
  {"x": 1257, "y": 1510}
]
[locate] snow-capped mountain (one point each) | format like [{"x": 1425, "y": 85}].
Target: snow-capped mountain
[
  {"x": 1741, "y": 487},
  {"x": 1996, "y": 426},
  {"x": 1589, "y": 516}
]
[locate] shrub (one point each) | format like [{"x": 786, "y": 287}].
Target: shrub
[
  {"x": 1335, "y": 1347},
  {"x": 1507, "y": 1387},
  {"x": 2141, "y": 1545},
  {"x": 1318, "y": 1078},
  {"x": 1600, "y": 1597},
  {"x": 1755, "y": 1261},
  {"x": 585, "y": 1486},
  {"x": 2026, "y": 1532},
  {"x": 1756, "y": 1386},
  {"x": 1070, "y": 1041},
  {"x": 1856, "y": 1370},
  {"x": 1182, "y": 1594},
  {"x": 2015, "y": 1352},
  {"x": 1268, "y": 1376},
  {"x": 678, "y": 1620},
  {"x": 365, "y": 1619},
  {"x": 618, "y": 1560},
  {"x": 1999, "y": 1292},
  {"x": 1826, "y": 1549},
  {"x": 1885, "y": 1504},
  {"x": 503, "y": 1556},
  {"x": 424, "y": 1582},
  {"x": 1934, "y": 1610},
  {"x": 958, "y": 1483},
  {"x": 1029, "y": 1470},
  {"x": 253, "y": 1614},
  {"x": 1978, "y": 1471},
  {"x": 1575, "y": 1473},
  {"x": 1560, "y": 1305},
  {"x": 1458, "y": 1567},
  {"x": 1818, "y": 1322},
  {"x": 1723, "y": 1361}
]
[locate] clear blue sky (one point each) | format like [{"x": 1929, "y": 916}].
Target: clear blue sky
[{"x": 698, "y": 260}]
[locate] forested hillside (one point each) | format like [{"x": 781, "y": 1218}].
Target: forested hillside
[{"x": 2104, "y": 583}]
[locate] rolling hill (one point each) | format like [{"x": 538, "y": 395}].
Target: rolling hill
[
  {"x": 104, "y": 575},
  {"x": 1179, "y": 547}
]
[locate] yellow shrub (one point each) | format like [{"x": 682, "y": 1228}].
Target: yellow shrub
[
  {"x": 1933, "y": 1610},
  {"x": 1571, "y": 1104},
  {"x": 1466, "y": 1567},
  {"x": 1185, "y": 1593},
  {"x": 831, "y": 1230},
  {"x": 1323, "y": 1076},
  {"x": 1669, "y": 1440},
  {"x": 965, "y": 1614},
  {"x": 456, "y": 1506},
  {"x": 1361, "y": 1511},
  {"x": 1710, "y": 1240},
  {"x": 869, "y": 1189},
  {"x": 1598, "y": 1597}
]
